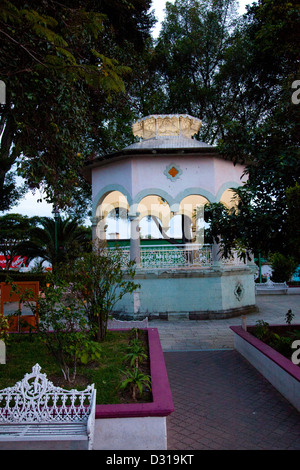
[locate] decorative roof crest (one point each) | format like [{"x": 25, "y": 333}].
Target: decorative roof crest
[{"x": 165, "y": 125}]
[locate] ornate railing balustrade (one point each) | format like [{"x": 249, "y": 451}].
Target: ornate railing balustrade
[
  {"x": 178, "y": 256},
  {"x": 175, "y": 256}
]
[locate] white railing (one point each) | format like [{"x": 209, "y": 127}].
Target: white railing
[
  {"x": 172, "y": 256},
  {"x": 178, "y": 256},
  {"x": 175, "y": 256}
]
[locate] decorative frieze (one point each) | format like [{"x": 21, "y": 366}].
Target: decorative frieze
[{"x": 162, "y": 125}]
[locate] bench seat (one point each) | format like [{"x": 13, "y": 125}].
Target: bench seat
[
  {"x": 44, "y": 437},
  {"x": 38, "y": 432}
]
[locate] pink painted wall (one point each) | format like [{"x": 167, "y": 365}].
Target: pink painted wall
[{"x": 206, "y": 172}]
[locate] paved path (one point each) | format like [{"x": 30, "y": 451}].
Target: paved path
[
  {"x": 189, "y": 335},
  {"x": 221, "y": 402}
]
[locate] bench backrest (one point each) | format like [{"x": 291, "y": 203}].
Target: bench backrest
[
  {"x": 36, "y": 400},
  {"x": 271, "y": 285}
]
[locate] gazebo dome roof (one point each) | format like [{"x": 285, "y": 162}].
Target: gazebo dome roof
[
  {"x": 161, "y": 134},
  {"x": 167, "y": 142}
]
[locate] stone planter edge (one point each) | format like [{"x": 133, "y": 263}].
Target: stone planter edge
[
  {"x": 162, "y": 404},
  {"x": 277, "y": 369}
]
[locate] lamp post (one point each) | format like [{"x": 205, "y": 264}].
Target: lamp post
[{"x": 55, "y": 212}]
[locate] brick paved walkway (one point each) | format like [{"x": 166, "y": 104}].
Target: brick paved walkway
[
  {"x": 222, "y": 403},
  {"x": 188, "y": 335}
]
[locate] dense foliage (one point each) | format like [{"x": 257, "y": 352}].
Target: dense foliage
[
  {"x": 238, "y": 75},
  {"x": 55, "y": 240},
  {"x": 62, "y": 84},
  {"x": 14, "y": 230},
  {"x": 269, "y": 143},
  {"x": 78, "y": 76}
]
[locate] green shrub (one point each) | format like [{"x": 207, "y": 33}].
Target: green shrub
[
  {"x": 283, "y": 267},
  {"x": 97, "y": 281}
]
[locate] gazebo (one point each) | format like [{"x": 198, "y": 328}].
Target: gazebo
[{"x": 166, "y": 178}]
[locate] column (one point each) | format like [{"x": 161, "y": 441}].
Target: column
[
  {"x": 94, "y": 221},
  {"x": 98, "y": 228},
  {"x": 135, "y": 254},
  {"x": 216, "y": 255}
]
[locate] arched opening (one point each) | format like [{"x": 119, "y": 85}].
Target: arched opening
[
  {"x": 154, "y": 215},
  {"x": 191, "y": 211},
  {"x": 149, "y": 228},
  {"x": 157, "y": 220},
  {"x": 112, "y": 217},
  {"x": 228, "y": 198}
]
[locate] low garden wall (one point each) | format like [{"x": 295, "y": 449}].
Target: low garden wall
[
  {"x": 138, "y": 426},
  {"x": 277, "y": 369}
]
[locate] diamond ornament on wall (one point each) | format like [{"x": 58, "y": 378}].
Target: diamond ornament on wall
[
  {"x": 239, "y": 291},
  {"x": 173, "y": 172}
]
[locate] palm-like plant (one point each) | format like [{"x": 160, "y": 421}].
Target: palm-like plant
[{"x": 56, "y": 240}]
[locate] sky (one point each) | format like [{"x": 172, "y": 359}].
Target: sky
[
  {"x": 29, "y": 205},
  {"x": 159, "y": 6}
]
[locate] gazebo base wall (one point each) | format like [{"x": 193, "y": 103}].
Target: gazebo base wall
[{"x": 195, "y": 294}]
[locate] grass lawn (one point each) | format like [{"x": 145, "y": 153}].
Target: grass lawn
[{"x": 25, "y": 350}]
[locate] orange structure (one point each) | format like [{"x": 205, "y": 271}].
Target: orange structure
[{"x": 20, "y": 322}]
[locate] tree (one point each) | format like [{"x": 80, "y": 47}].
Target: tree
[
  {"x": 283, "y": 267},
  {"x": 266, "y": 135},
  {"x": 54, "y": 64},
  {"x": 260, "y": 67},
  {"x": 250, "y": 226},
  {"x": 56, "y": 240},
  {"x": 98, "y": 280},
  {"x": 293, "y": 217},
  {"x": 62, "y": 326},
  {"x": 14, "y": 229},
  {"x": 190, "y": 51}
]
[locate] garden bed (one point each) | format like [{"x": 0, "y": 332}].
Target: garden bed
[
  {"x": 121, "y": 423},
  {"x": 293, "y": 283},
  {"x": 278, "y": 337},
  {"x": 279, "y": 370},
  {"x": 138, "y": 426},
  {"x": 105, "y": 373}
]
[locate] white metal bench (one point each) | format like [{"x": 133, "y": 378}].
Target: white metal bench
[
  {"x": 38, "y": 415},
  {"x": 271, "y": 287}
]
